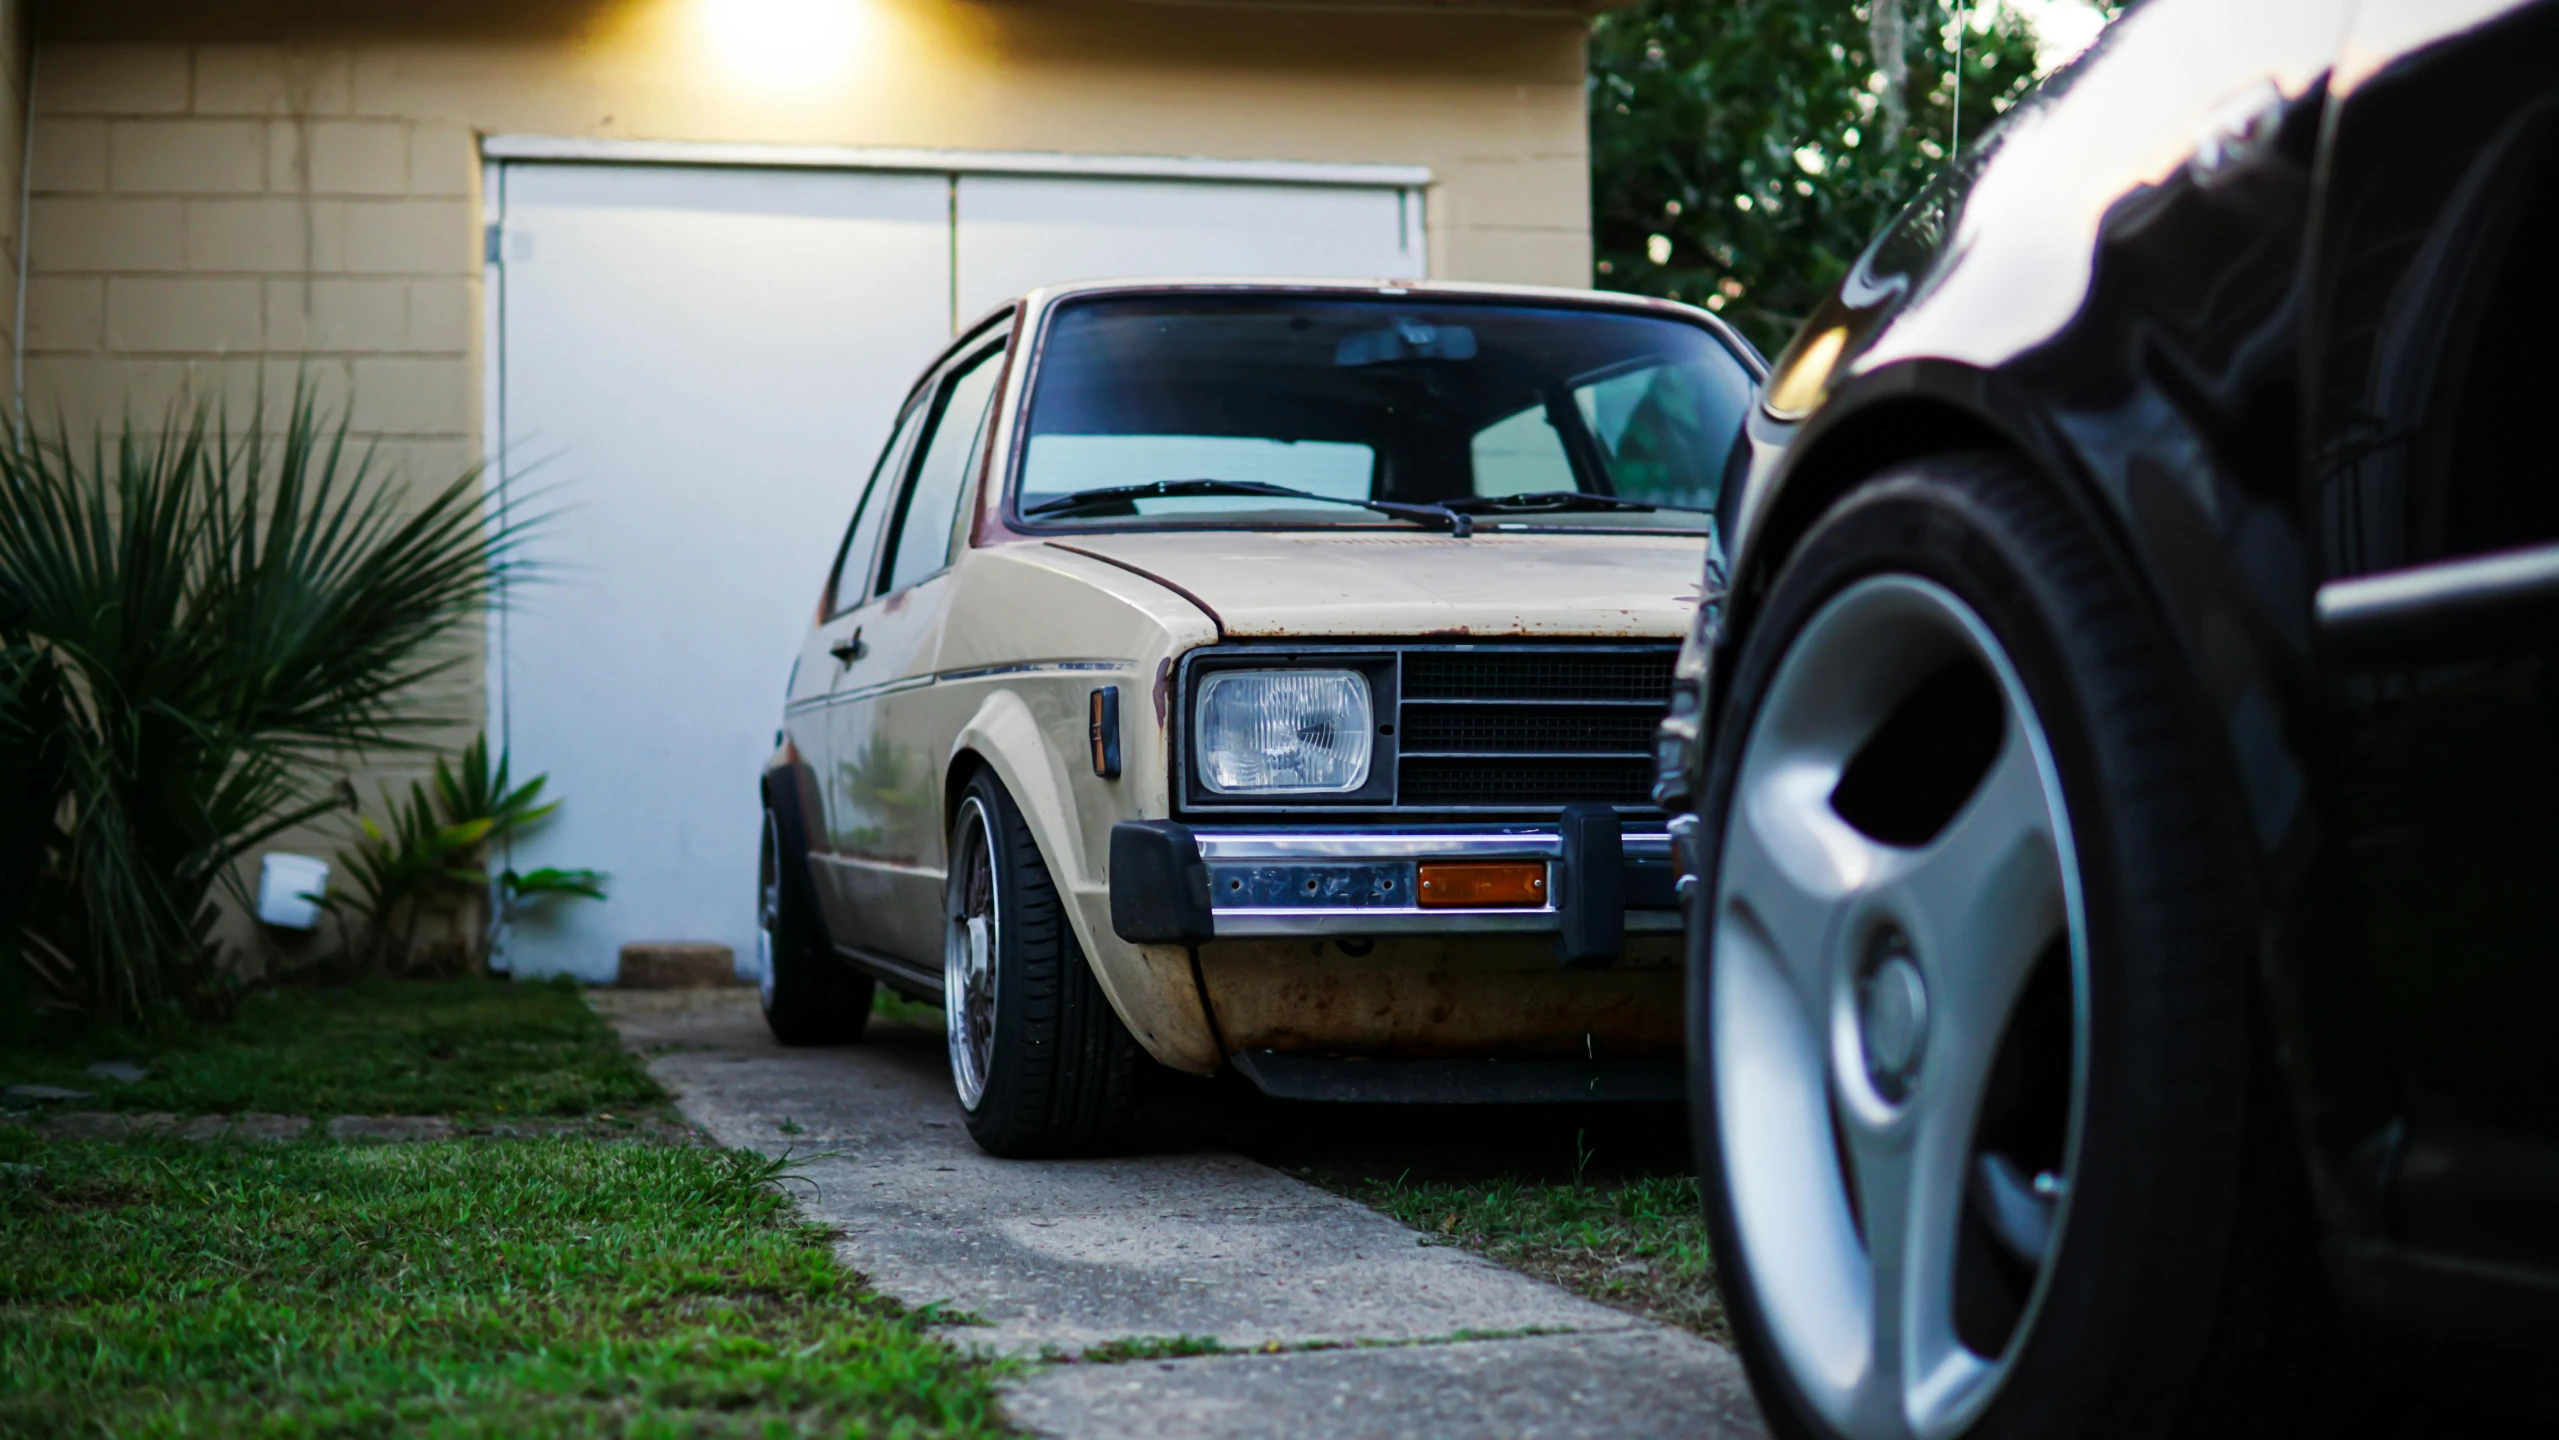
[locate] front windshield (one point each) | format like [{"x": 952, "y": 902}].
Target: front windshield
[{"x": 1524, "y": 416}]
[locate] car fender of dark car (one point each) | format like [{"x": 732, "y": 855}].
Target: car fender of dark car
[{"x": 2146, "y": 283}]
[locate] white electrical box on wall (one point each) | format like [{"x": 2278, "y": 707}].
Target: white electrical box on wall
[{"x": 283, "y": 883}]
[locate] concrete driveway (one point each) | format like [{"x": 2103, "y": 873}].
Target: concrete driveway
[{"x": 1060, "y": 1256}]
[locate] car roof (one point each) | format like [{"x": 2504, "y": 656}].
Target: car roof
[{"x": 1032, "y": 302}]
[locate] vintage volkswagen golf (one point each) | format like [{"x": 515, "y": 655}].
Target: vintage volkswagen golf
[{"x": 1264, "y": 676}]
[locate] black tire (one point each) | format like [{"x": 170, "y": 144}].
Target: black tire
[
  {"x": 1059, "y": 1072},
  {"x": 810, "y": 997},
  {"x": 2183, "y": 1296}
]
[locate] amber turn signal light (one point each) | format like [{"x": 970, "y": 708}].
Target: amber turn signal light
[
  {"x": 1481, "y": 883},
  {"x": 1105, "y": 731}
]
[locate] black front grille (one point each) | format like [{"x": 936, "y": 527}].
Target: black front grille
[
  {"x": 1441, "y": 780},
  {"x": 1529, "y": 729},
  {"x": 1429, "y": 727},
  {"x": 1543, "y": 675}
]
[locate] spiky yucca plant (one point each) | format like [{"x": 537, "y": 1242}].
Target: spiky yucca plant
[{"x": 208, "y": 624}]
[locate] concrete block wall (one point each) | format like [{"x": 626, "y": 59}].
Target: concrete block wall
[
  {"x": 205, "y": 221},
  {"x": 208, "y": 224},
  {"x": 17, "y": 48}
]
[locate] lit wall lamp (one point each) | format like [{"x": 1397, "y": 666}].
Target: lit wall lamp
[{"x": 783, "y": 44}]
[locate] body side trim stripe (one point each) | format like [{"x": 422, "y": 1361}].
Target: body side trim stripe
[
  {"x": 919, "y": 682},
  {"x": 2440, "y": 591}
]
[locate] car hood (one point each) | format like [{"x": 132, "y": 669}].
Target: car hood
[{"x": 1385, "y": 585}]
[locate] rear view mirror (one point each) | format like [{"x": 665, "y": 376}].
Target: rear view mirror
[{"x": 1405, "y": 340}]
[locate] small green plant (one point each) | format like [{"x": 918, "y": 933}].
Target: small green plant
[{"x": 425, "y": 871}]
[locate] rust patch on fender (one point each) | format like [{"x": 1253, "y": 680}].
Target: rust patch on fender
[{"x": 1163, "y": 688}]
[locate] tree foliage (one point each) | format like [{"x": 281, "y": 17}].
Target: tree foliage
[{"x": 1744, "y": 151}]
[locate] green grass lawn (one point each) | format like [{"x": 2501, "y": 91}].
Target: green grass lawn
[
  {"x": 1636, "y": 1242},
  {"x": 467, "y": 1048},
  {"x": 560, "y": 1286}
]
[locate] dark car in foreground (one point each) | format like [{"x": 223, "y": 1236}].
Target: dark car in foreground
[{"x": 2123, "y": 756}]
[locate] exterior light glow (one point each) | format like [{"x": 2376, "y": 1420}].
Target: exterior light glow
[{"x": 783, "y": 44}]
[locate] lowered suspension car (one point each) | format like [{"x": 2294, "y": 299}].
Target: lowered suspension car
[{"x": 1263, "y": 676}]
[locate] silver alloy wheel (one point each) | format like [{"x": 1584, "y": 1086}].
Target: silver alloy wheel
[
  {"x": 968, "y": 953},
  {"x": 768, "y": 905},
  {"x": 1862, "y": 993}
]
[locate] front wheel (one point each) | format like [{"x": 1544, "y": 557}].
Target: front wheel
[
  {"x": 1040, "y": 1061},
  {"x": 1991, "y": 1143}
]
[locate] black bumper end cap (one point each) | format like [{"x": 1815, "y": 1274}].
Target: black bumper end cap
[
  {"x": 1590, "y": 900},
  {"x": 1159, "y": 885}
]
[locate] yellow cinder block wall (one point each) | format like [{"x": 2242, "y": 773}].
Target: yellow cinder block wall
[
  {"x": 263, "y": 190},
  {"x": 17, "y": 48}
]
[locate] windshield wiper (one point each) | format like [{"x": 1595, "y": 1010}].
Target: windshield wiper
[
  {"x": 1547, "y": 502},
  {"x": 1441, "y": 517}
]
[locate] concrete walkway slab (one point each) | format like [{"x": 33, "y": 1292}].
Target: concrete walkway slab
[
  {"x": 1057, "y": 1256},
  {"x": 1645, "y": 1381}
]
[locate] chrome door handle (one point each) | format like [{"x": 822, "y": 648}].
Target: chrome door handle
[{"x": 848, "y": 649}]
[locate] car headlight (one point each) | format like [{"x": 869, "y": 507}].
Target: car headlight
[{"x": 1284, "y": 732}]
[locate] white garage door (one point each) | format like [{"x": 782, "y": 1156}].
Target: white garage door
[
  {"x": 695, "y": 366},
  {"x": 1020, "y": 231}
]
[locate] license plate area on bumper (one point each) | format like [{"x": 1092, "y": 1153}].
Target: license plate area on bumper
[
  {"x": 1266, "y": 885},
  {"x": 1281, "y": 883}
]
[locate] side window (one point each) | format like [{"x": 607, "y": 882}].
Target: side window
[
  {"x": 1665, "y": 430},
  {"x": 844, "y": 589},
  {"x": 2435, "y": 425},
  {"x": 1520, "y": 455},
  {"x": 920, "y": 543}
]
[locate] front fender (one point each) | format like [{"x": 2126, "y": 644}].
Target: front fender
[{"x": 1151, "y": 986}]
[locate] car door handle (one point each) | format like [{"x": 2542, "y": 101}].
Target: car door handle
[{"x": 848, "y": 649}]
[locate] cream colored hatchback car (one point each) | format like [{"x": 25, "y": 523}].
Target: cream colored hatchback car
[{"x": 1264, "y": 676}]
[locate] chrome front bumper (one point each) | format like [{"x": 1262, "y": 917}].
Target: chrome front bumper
[{"x": 1280, "y": 883}]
